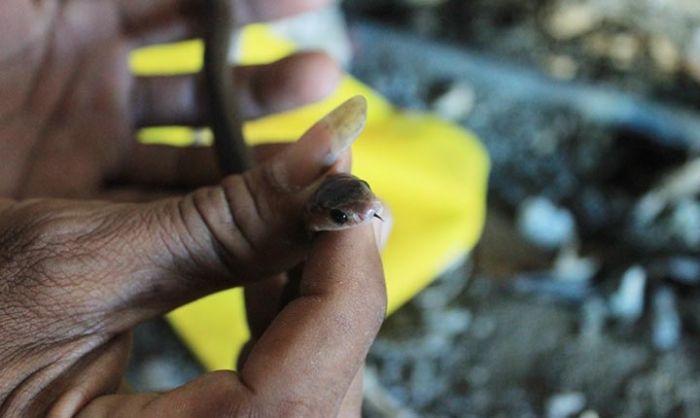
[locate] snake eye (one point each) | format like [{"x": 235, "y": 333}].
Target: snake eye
[{"x": 339, "y": 217}]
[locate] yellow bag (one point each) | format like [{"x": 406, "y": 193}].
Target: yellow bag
[{"x": 431, "y": 173}]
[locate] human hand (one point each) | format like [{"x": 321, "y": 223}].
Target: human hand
[
  {"x": 70, "y": 107},
  {"x": 78, "y": 276}
]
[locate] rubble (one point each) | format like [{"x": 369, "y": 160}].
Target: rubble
[
  {"x": 595, "y": 153},
  {"x": 545, "y": 224},
  {"x": 665, "y": 54},
  {"x": 624, "y": 49},
  {"x": 565, "y": 405},
  {"x": 627, "y": 303},
  {"x": 562, "y": 67},
  {"x": 454, "y": 102},
  {"x": 679, "y": 269},
  {"x": 570, "y": 20}
]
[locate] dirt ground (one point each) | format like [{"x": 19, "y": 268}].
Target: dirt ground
[{"x": 603, "y": 321}]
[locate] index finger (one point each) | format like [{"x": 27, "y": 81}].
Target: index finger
[{"x": 320, "y": 340}]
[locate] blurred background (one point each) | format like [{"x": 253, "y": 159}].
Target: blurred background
[{"x": 582, "y": 298}]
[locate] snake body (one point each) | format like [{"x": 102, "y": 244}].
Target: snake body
[
  {"x": 339, "y": 202},
  {"x": 226, "y": 125}
]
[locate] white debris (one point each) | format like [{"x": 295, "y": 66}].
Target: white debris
[
  {"x": 685, "y": 221},
  {"x": 681, "y": 183},
  {"x": 624, "y": 49},
  {"x": 627, "y": 302},
  {"x": 666, "y": 325},
  {"x": 684, "y": 270},
  {"x": 456, "y": 102},
  {"x": 157, "y": 374},
  {"x": 589, "y": 413},
  {"x": 562, "y": 67},
  {"x": 322, "y": 29},
  {"x": 665, "y": 54},
  {"x": 545, "y": 224},
  {"x": 570, "y": 266},
  {"x": 564, "y": 405},
  {"x": 568, "y": 20}
]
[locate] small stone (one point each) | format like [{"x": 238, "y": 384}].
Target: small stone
[
  {"x": 571, "y": 20},
  {"x": 685, "y": 222},
  {"x": 627, "y": 302},
  {"x": 545, "y": 224},
  {"x": 666, "y": 325},
  {"x": 562, "y": 67},
  {"x": 589, "y": 413},
  {"x": 624, "y": 49},
  {"x": 570, "y": 266},
  {"x": 564, "y": 405},
  {"x": 664, "y": 53},
  {"x": 455, "y": 102},
  {"x": 685, "y": 270}
]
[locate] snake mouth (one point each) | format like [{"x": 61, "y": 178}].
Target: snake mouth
[{"x": 373, "y": 210}]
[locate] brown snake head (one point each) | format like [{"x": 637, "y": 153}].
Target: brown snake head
[{"x": 341, "y": 201}]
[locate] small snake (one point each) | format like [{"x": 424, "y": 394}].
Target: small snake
[{"x": 341, "y": 200}]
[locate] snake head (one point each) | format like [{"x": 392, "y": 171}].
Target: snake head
[{"x": 341, "y": 201}]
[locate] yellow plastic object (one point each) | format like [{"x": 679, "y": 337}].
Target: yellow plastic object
[{"x": 431, "y": 173}]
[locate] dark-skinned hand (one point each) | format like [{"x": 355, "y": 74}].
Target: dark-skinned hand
[
  {"x": 77, "y": 276},
  {"x": 70, "y": 107}
]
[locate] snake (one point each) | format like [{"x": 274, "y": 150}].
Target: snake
[{"x": 340, "y": 200}]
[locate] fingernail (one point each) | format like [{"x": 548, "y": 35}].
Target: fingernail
[
  {"x": 323, "y": 144},
  {"x": 345, "y": 124}
]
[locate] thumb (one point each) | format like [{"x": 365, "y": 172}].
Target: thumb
[{"x": 94, "y": 259}]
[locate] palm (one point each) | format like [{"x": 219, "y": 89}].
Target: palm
[
  {"x": 69, "y": 107},
  {"x": 66, "y": 86}
]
